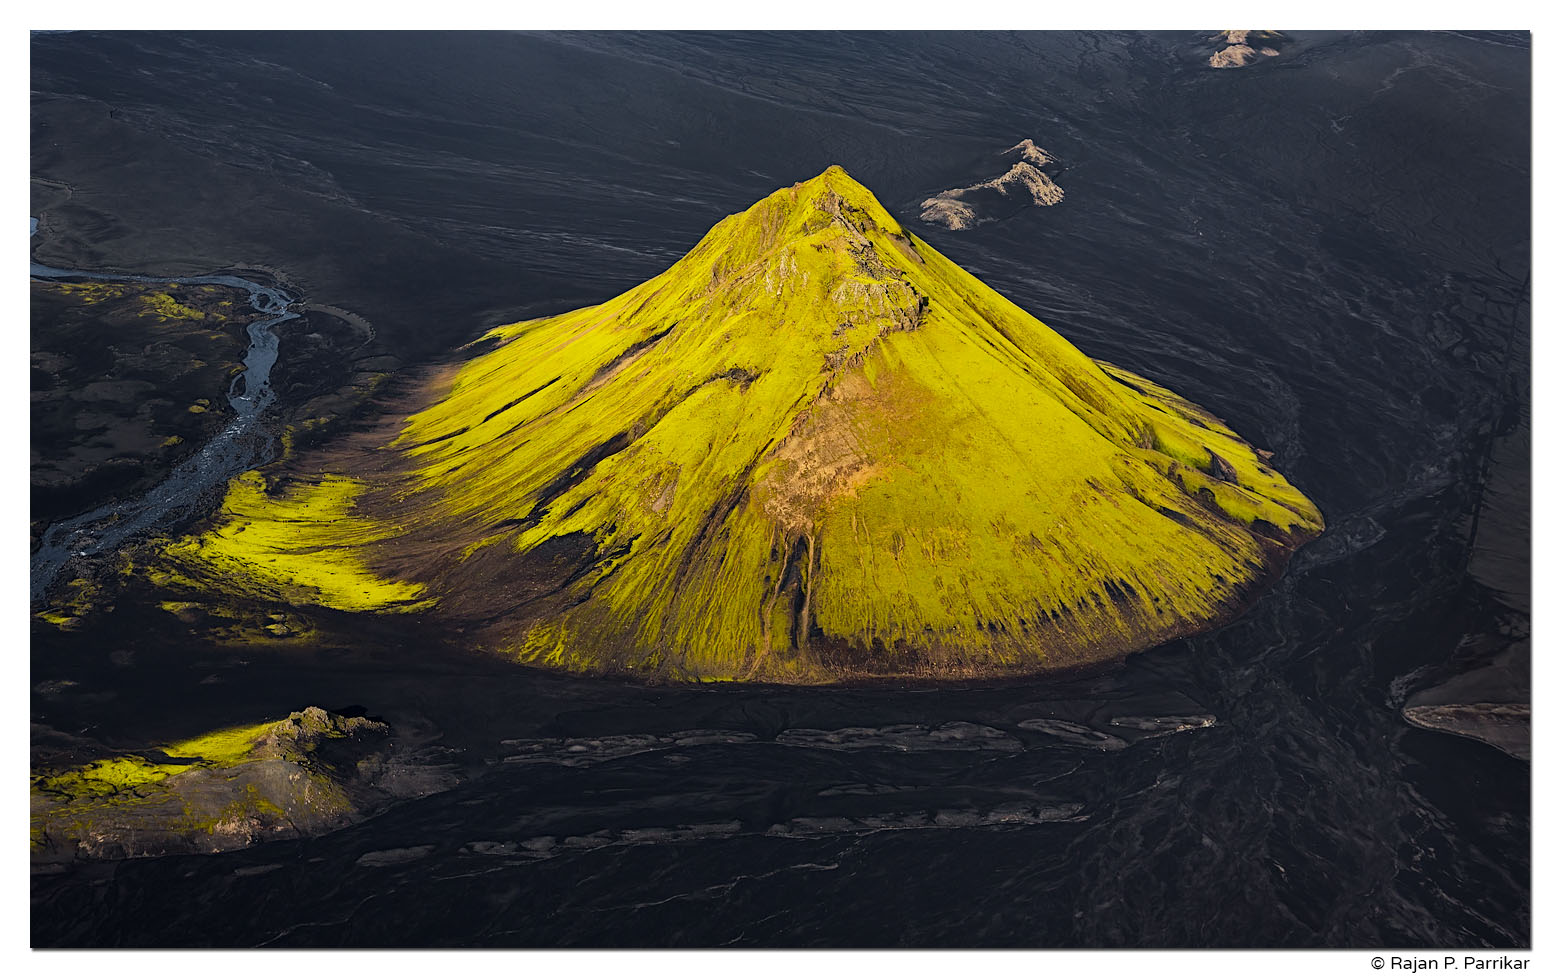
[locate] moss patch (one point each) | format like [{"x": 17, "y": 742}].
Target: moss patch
[
  {"x": 267, "y": 545},
  {"x": 216, "y": 791}
]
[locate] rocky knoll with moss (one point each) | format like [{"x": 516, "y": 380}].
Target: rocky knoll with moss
[
  {"x": 812, "y": 449},
  {"x": 305, "y": 775}
]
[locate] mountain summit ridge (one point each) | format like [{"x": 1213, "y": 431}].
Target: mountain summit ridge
[{"x": 811, "y": 449}]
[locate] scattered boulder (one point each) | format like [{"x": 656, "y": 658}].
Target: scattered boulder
[
  {"x": 1024, "y": 183},
  {"x": 1234, "y": 56},
  {"x": 1238, "y": 50},
  {"x": 1221, "y": 469}
]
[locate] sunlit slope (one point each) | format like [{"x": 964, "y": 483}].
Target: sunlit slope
[{"x": 812, "y": 448}]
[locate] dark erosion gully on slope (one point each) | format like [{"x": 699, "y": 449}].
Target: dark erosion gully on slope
[{"x": 818, "y": 450}]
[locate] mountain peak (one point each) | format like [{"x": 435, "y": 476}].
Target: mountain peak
[
  {"x": 813, "y": 448},
  {"x": 836, "y": 178},
  {"x": 832, "y": 174},
  {"x": 832, "y": 196}
]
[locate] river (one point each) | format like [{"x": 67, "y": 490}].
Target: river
[{"x": 243, "y": 444}]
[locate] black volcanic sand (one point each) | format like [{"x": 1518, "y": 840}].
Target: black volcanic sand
[
  {"x": 1327, "y": 249},
  {"x": 120, "y": 392},
  {"x": 128, "y": 380}
]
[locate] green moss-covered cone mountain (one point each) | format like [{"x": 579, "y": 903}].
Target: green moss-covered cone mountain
[{"x": 812, "y": 449}]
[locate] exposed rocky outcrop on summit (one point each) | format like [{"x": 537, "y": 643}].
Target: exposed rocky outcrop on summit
[
  {"x": 813, "y": 449},
  {"x": 304, "y": 775},
  {"x": 1241, "y": 48},
  {"x": 1024, "y": 183}
]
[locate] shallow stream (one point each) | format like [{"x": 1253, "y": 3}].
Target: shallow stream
[{"x": 243, "y": 444}]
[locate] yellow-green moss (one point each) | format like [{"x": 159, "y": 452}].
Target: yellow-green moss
[
  {"x": 58, "y": 618},
  {"x": 297, "y": 545},
  {"x": 90, "y": 292},
  {"x": 221, "y": 748},
  {"x": 77, "y": 599},
  {"x": 237, "y": 784},
  {"x": 118, "y": 775},
  {"x": 813, "y": 420},
  {"x": 166, "y": 307}
]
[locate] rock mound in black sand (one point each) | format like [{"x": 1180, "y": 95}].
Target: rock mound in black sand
[{"x": 305, "y": 775}]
